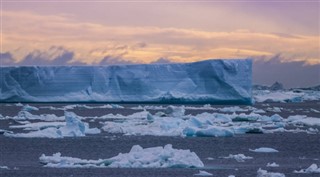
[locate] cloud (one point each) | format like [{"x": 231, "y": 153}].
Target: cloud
[
  {"x": 109, "y": 60},
  {"x": 91, "y": 42},
  {"x": 6, "y": 59},
  {"x": 55, "y": 55},
  {"x": 291, "y": 74},
  {"x": 161, "y": 61}
]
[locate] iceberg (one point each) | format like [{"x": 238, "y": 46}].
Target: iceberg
[
  {"x": 210, "y": 81},
  {"x": 138, "y": 157}
]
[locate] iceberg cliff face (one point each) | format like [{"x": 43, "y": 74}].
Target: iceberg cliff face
[{"x": 210, "y": 81}]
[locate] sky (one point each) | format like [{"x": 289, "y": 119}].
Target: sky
[{"x": 281, "y": 36}]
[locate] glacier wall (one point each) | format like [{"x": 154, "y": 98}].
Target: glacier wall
[{"x": 210, "y": 81}]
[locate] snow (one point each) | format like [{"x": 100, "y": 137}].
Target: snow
[
  {"x": 138, "y": 157},
  {"x": 272, "y": 164},
  {"x": 203, "y": 173},
  {"x": 72, "y": 127},
  {"x": 312, "y": 169},
  {"x": 210, "y": 81},
  {"x": 264, "y": 149},
  {"x": 265, "y": 173},
  {"x": 238, "y": 157}
]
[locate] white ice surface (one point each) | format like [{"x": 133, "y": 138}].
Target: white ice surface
[
  {"x": 312, "y": 169},
  {"x": 212, "y": 81},
  {"x": 273, "y": 164},
  {"x": 238, "y": 157},
  {"x": 138, "y": 157},
  {"x": 284, "y": 96},
  {"x": 72, "y": 127},
  {"x": 265, "y": 173},
  {"x": 203, "y": 173},
  {"x": 264, "y": 149}
]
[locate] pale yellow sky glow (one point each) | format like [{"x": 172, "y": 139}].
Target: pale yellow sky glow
[{"x": 213, "y": 31}]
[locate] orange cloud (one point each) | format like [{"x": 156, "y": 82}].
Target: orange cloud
[{"x": 91, "y": 42}]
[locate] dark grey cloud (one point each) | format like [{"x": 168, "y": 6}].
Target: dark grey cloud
[
  {"x": 110, "y": 60},
  {"x": 61, "y": 55},
  {"x": 291, "y": 74},
  {"x": 161, "y": 61},
  {"x": 6, "y": 59}
]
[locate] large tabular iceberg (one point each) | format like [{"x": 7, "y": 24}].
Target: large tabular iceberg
[{"x": 210, "y": 81}]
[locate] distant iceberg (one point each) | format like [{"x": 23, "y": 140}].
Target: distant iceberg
[{"x": 210, "y": 81}]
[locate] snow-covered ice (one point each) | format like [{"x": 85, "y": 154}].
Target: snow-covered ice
[
  {"x": 313, "y": 168},
  {"x": 238, "y": 157},
  {"x": 138, "y": 157},
  {"x": 273, "y": 164},
  {"x": 265, "y": 173},
  {"x": 72, "y": 127},
  {"x": 203, "y": 173},
  {"x": 4, "y": 167},
  {"x": 210, "y": 81},
  {"x": 264, "y": 149}
]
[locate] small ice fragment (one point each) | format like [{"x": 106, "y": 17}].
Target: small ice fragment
[
  {"x": 272, "y": 164},
  {"x": 138, "y": 157},
  {"x": 29, "y": 108},
  {"x": 203, "y": 173},
  {"x": 264, "y": 149},
  {"x": 174, "y": 111},
  {"x": 238, "y": 157},
  {"x": 4, "y": 167},
  {"x": 265, "y": 173},
  {"x": 312, "y": 169},
  {"x": 210, "y": 158}
]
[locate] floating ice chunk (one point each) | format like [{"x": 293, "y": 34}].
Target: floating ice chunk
[
  {"x": 72, "y": 127},
  {"x": 265, "y": 173},
  {"x": 233, "y": 109},
  {"x": 314, "y": 110},
  {"x": 272, "y": 164},
  {"x": 273, "y": 118},
  {"x": 25, "y": 115},
  {"x": 259, "y": 111},
  {"x": 212, "y": 131},
  {"x": 264, "y": 149},
  {"x": 231, "y": 176},
  {"x": 4, "y": 167},
  {"x": 174, "y": 111},
  {"x": 2, "y": 131},
  {"x": 203, "y": 173},
  {"x": 39, "y": 125},
  {"x": 277, "y": 96},
  {"x": 19, "y": 104},
  {"x": 138, "y": 157},
  {"x": 45, "y": 133},
  {"x": 29, "y": 108},
  {"x": 312, "y": 169},
  {"x": 238, "y": 157},
  {"x": 309, "y": 121}
]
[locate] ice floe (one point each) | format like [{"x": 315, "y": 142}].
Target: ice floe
[
  {"x": 272, "y": 164},
  {"x": 138, "y": 157},
  {"x": 203, "y": 173},
  {"x": 264, "y": 149},
  {"x": 238, "y": 157},
  {"x": 311, "y": 169},
  {"x": 72, "y": 127},
  {"x": 265, "y": 173}
]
